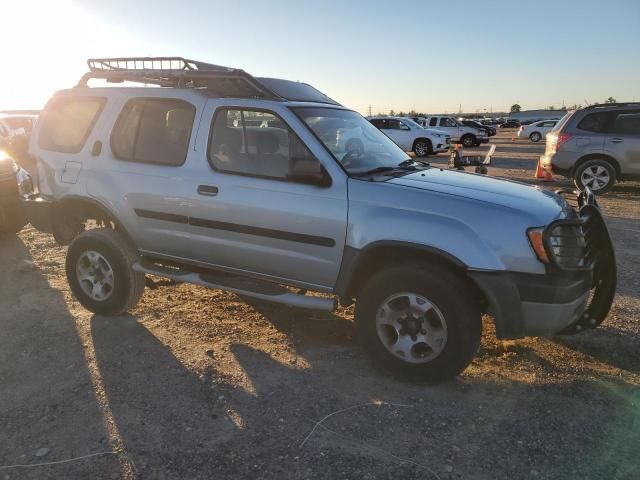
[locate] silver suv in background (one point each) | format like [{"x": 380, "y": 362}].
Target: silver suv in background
[
  {"x": 596, "y": 146},
  {"x": 246, "y": 184}
]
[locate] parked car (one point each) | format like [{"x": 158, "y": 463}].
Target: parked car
[
  {"x": 489, "y": 130},
  {"x": 536, "y": 131},
  {"x": 14, "y": 121},
  {"x": 510, "y": 124},
  {"x": 596, "y": 146},
  {"x": 183, "y": 189},
  {"x": 412, "y": 137},
  {"x": 15, "y": 182},
  {"x": 467, "y": 136}
]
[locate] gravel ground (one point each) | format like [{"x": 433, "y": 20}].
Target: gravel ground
[{"x": 199, "y": 383}]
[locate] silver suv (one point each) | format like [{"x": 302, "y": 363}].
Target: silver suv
[
  {"x": 596, "y": 146},
  {"x": 225, "y": 180}
]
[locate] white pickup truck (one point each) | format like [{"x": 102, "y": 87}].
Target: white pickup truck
[{"x": 467, "y": 136}]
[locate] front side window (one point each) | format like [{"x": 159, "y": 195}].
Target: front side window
[
  {"x": 255, "y": 143},
  {"x": 433, "y": 122},
  {"x": 627, "y": 123},
  {"x": 447, "y": 122},
  {"x": 354, "y": 142},
  {"x": 67, "y": 123},
  {"x": 153, "y": 130}
]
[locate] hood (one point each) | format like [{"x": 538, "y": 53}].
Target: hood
[{"x": 534, "y": 200}]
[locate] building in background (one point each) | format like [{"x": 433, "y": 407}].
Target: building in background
[{"x": 537, "y": 115}]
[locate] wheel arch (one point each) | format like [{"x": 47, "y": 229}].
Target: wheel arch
[
  {"x": 359, "y": 265},
  {"x": 594, "y": 156},
  {"x": 83, "y": 208},
  {"x": 422, "y": 139}
]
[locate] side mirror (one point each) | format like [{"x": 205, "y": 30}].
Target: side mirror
[{"x": 310, "y": 172}]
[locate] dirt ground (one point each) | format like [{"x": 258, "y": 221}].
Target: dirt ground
[{"x": 198, "y": 383}]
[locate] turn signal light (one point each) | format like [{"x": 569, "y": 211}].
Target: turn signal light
[{"x": 535, "y": 239}]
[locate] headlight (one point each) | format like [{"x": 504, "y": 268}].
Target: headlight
[{"x": 439, "y": 135}]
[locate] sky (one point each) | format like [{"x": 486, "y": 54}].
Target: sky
[{"x": 427, "y": 56}]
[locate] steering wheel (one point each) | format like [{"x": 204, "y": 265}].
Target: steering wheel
[{"x": 347, "y": 160}]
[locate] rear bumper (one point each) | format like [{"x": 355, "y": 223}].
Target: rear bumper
[
  {"x": 559, "y": 163},
  {"x": 39, "y": 211}
]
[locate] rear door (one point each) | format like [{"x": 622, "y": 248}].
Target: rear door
[
  {"x": 246, "y": 214},
  {"x": 141, "y": 174},
  {"x": 623, "y": 140},
  {"x": 451, "y": 127}
]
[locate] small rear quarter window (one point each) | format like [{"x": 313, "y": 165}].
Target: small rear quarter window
[{"x": 67, "y": 122}]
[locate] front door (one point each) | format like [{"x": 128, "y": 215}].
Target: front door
[{"x": 246, "y": 214}]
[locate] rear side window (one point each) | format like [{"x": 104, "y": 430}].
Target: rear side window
[
  {"x": 433, "y": 121},
  {"x": 627, "y": 123},
  {"x": 153, "y": 130},
  {"x": 594, "y": 122},
  {"x": 67, "y": 123}
]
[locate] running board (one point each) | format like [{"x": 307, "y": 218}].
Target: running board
[{"x": 248, "y": 287}]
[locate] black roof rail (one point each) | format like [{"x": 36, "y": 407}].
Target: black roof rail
[
  {"x": 176, "y": 72},
  {"x": 605, "y": 105}
]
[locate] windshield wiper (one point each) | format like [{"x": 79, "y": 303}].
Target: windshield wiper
[{"x": 409, "y": 161}]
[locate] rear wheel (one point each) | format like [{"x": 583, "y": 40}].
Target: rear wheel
[
  {"x": 99, "y": 269},
  {"x": 535, "y": 137},
  {"x": 411, "y": 320},
  {"x": 422, "y": 148},
  {"x": 597, "y": 174}
]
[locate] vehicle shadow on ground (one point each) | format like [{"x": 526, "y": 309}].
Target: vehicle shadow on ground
[
  {"x": 47, "y": 400},
  {"x": 167, "y": 417},
  {"x": 608, "y": 345}
]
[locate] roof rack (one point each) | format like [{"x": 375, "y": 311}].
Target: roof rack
[
  {"x": 605, "y": 105},
  {"x": 176, "y": 72}
]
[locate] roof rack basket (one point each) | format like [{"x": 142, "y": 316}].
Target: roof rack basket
[{"x": 176, "y": 72}]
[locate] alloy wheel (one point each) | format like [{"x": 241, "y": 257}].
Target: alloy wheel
[
  {"x": 95, "y": 275},
  {"x": 596, "y": 177}
]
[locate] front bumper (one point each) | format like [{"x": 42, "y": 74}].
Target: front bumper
[{"x": 568, "y": 298}]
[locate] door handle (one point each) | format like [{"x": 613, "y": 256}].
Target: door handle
[
  {"x": 616, "y": 140},
  {"x": 209, "y": 190}
]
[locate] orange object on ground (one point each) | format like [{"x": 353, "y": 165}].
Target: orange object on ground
[
  {"x": 540, "y": 173},
  {"x": 547, "y": 176}
]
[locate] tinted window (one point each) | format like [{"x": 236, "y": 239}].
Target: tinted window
[
  {"x": 433, "y": 122},
  {"x": 594, "y": 122},
  {"x": 67, "y": 123},
  {"x": 393, "y": 124},
  {"x": 627, "y": 123},
  {"x": 256, "y": 143},
  {"x": 153, "y": 131},
  {"x": 377, "y": 122},
  {"x": 447, "y": 122}
]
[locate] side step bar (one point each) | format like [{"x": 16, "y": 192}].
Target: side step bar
[{"x": 248, "y": 287}]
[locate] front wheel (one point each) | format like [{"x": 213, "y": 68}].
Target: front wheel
[
  {"x": 415, "y": 321},
  {"x": 99, "y": 269},
  {"x": 422, "y": 148},
  {"x": 597, "y": 174}
]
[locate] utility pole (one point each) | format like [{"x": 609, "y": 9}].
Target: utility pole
[{"x": 370, "y": 111}]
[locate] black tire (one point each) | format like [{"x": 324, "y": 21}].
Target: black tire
[
  {"x": 468, "y": 141},
  {"x": 441, "y": 287},
  {"x": 13, "y": 218},
  {"x": 594, "y": 166},
  {"x": 422, "y": 148},
  {"x": 535, "y": 137},
  {"x": 128, "y": 286}
]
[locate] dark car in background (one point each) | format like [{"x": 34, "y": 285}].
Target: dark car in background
[
  {"x": 489, "y": 130},
  {"x": 509, "y": 123}
]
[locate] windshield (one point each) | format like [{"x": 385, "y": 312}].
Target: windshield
[
  {"x": 412, "y": 123},
  {"x": 352, "y": 140}
]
